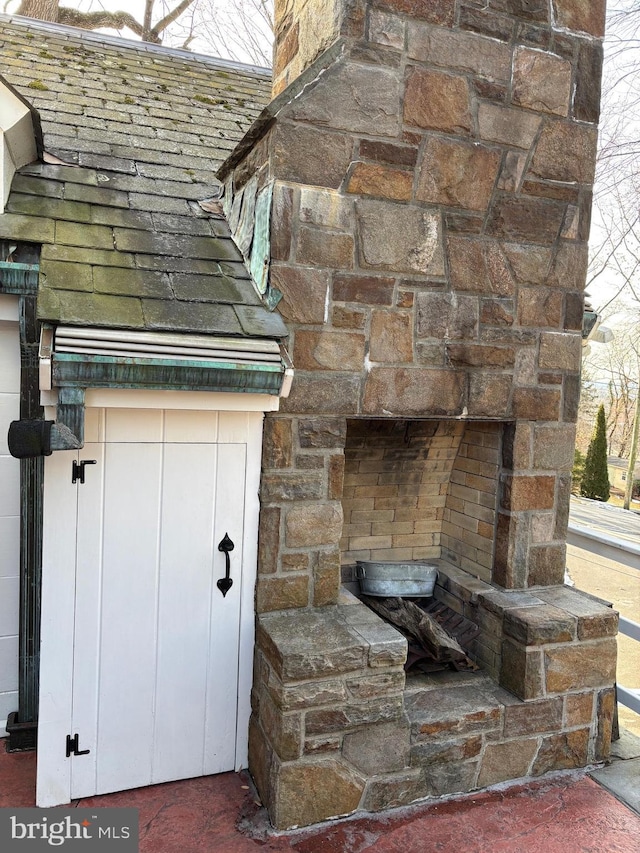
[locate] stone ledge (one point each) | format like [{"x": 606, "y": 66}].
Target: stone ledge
[
  {"x": 318, "y": 644},
  {"x": 422, "y": 682},
  {"x": 535, "y": 626},
  {"x": 595, "y": 616},
  {"x": 302, "y": 644},
  {"x": 459, "y": 583},
  {"x": 499, "y": 601},
  {"x": 572, "y": 600}
]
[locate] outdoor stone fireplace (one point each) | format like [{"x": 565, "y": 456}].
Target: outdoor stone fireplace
[{"x": 415, "y": 203}]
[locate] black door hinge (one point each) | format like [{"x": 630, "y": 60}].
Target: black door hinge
[
  {"x": 77, "y": 469},
  {"x": 72, "y": 747}
]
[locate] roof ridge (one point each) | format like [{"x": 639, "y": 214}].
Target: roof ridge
[{"x": 131, "y": 44}]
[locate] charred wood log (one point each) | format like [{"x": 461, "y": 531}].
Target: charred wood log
[{"x": 420, "y": 627}]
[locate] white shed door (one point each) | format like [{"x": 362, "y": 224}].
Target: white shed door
[{"x": 156, "y": 645}]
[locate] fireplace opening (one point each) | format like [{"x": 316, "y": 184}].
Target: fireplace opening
[
  {"x": 425, "y": 491},
  {"x": 416, "y": 490}
]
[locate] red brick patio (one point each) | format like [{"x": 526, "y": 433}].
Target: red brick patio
[{"x": 569, "y": 814}]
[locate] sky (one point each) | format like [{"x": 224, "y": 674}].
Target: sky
[
  {"x": 617, "y": 190},
  {"x": 229, "y": 29}
]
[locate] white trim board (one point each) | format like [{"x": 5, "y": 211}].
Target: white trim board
[
  {"x": 17, "y": 139},
  {"x": 125, "y": 398}
]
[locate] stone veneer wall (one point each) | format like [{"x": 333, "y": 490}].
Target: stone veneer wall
[
  {"x": 302, "y": 29},
  {"x": 431, "y": 175},
  {"x": 431, "y": 180}
]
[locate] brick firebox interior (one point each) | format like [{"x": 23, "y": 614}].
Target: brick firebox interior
[{"x": 418, "y": 490}]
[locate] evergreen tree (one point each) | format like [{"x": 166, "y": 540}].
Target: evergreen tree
[
  {"x": 577, "y": 473},
  {"x": 595, "y": 479}
]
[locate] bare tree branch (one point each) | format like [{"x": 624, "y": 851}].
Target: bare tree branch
[
  {"x": 95, "y": 20},
  {"x": 162, "y": 25},
  {"x": 146, "y": 21},
  {"x": 241, "y": 30}
]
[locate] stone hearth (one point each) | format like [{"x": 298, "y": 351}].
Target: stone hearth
[{"x": 341, "y": 727}]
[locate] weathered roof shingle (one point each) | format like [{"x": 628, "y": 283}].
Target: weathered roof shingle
[{"x": 125, "y": 241}]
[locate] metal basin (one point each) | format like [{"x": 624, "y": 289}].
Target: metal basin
[{"x": 384, "y": 579}]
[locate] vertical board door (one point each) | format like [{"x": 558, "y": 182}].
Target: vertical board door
[{"x": 156, "y": 646}]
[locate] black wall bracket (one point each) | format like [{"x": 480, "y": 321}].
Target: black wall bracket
[{"x": 29, "y": 438}]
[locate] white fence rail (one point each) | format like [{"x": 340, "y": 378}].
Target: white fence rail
[
  {"x": 626, "y": 695},
  {"x": 628, "y": 554},
  {"x": 618, "y": 550}
]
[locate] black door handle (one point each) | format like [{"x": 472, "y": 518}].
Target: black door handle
[{"x": 226, "y": 545}]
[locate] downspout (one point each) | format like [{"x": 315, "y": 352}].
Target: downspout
[{"x": 22, "y": 280}]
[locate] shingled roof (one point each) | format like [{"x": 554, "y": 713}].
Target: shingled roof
[{"x": 125, "y": 240}]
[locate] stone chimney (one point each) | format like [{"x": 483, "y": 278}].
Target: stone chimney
[
  {"x": 303, "y": 29},
  {"x": 430, "y": 164},
  {"x": 427, "y": 165}
]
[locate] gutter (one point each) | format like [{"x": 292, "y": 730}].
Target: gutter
[{"x": 74, "y": 358}]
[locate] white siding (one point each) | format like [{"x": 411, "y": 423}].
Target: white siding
[{"x": 9, "y": 509}]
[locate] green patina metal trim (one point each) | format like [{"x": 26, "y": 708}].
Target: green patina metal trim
[
  {"x": 19, "y": 279},
  {"x": 589, "y": 319},
  {"x": 261, "y": 244},
  {"x": 69, "y": 416},
  {"x": 272, "y": 297},
  {"x": 31, "y": 524},
  {"x": 99, "y": 371}
]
